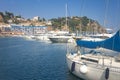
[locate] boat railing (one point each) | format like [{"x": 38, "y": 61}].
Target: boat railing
[
  {"x": 115, "y": 69},
  {"x": 100, "y": 66}
]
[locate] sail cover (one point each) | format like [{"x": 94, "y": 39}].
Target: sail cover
[{"x": 112, "y": 43}]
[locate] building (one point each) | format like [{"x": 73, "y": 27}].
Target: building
[
  {"x": 29, "y": 29},
  {"x": 36, "y": 18},
  {"x": 49, "y": 23},
  {"x": 10, "y": 21},
  {"x": 21, "y": 19},
  {"x": 1, "y": 18}
]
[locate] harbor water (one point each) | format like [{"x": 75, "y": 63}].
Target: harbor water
[{"x": 21, "y": 59}]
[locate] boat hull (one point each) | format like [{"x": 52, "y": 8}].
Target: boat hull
[
  {"x": 59, "y": 40},
  {"x": 94, "y": 72}
]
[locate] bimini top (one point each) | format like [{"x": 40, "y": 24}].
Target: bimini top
[{"x": 112, "y": 43}]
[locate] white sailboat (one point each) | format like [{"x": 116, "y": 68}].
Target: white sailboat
[
  {"x": 62, "y": 38},
  {"x": 96, "y": 63}
]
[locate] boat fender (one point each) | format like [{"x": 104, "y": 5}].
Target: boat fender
[
  {"x": 83, "y": 69},
  {"x": 107, "y": 73},
  {"x": 73, "y": 67}
]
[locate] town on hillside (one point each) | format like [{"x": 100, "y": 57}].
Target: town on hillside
[{"x": 11, "y": 24}]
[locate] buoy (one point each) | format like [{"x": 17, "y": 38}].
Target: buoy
[
  {"x": 107, "y": 73},
  {"x": 83, "y": 69},
  {"x": 73, "y": 67}
]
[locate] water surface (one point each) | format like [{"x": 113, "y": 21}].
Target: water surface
[{"x": 21, "y": 59}]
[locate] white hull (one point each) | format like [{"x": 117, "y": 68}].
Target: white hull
[
  {"x": 61, "y": 39},
  {"x": 43, "y": 38},
  {"x": 28, "y": 37},
  {"x": 94, "y": 71}
]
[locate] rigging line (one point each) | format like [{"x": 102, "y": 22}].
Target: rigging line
[
  {"x": 117, "y": 24},
  {"x": 67, "y": 17},
  {"x": 105, "y": 15},
  {"x": 66, "y": 13},
  {"x": 104, "y": 24},
  {"x": 118, "y": 5},
  {"x": 68, "y": 10},
  {"x": 106, "y": 11},
  {"x": 66, "y": 6},
  {"x": 113, "y": 42},
  {"x": 81, "y": 10}
]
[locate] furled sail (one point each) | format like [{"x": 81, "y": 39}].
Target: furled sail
[{"x": 112, "y": 43}]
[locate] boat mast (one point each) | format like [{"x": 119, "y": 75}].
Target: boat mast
[
  {"x": 66, "y": 23},
  {"x": 104, "y": 23},
  {"x": 66, "y": 17},
  {"x": 81, "y": 10}
]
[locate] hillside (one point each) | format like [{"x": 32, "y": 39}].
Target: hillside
[{"x": 76, "y": 23}]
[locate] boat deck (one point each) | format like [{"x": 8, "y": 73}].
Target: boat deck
[{"x": 97, "y": 61}]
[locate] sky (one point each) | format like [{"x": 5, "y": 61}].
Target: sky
[{"x": 106, "y": 12}]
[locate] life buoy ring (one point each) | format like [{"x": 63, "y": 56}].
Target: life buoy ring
[
  {"x": 73, "y": 67},
  {"x": 107, "y": 73},
  {"x": 83, "y": 69}
]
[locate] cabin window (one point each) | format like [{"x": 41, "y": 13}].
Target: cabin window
[{"x": 91, "y": 60}]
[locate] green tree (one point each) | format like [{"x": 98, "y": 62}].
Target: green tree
[
  {"x": 2, "y": 16},
  {"x": 18, "y": 16},
  {"x": 43, "y": 19},
  {"x": 85, "y": 21},
  {"x": 1, "y": 13},
  {"x": 9, "y": 15}
]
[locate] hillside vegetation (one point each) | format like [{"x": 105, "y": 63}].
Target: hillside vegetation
[{"x": 76, "y": 23}]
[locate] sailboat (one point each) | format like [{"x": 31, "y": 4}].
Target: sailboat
[
  {"x": 61, "y": 37},
  {"x": 94, "y": 61},
  {"x": 65, "y": 37}
]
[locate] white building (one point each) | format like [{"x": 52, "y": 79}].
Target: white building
[
  {"x": 36, "y": 18},
  {"x": 49, "y": 23},
  {"x": 10, "y": 20},
  {"x": 21, "y": 19}
]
